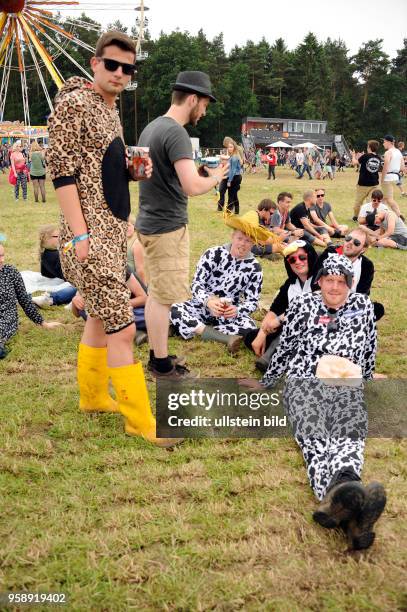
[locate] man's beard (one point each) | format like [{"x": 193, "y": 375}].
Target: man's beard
[{"x": 194, "y": 116}]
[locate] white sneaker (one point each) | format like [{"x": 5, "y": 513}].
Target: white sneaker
[{"x": 43, "y": 300}]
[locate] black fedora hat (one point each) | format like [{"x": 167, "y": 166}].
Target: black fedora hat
[{"x": 195, "y": 82}]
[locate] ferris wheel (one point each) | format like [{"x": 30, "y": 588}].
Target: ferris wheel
[{"x": 26, "y": 26}]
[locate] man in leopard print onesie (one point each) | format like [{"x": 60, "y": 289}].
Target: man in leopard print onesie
[
  {"x": 326, "y": 335},
  {"x": 87, "y": 162}
]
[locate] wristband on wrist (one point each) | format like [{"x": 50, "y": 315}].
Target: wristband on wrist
[{"x": 69, "y": 245}]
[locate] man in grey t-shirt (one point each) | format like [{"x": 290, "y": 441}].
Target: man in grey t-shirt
[
  {"x": 162, "y": 220},
  {"x": 323, "y": 217}
]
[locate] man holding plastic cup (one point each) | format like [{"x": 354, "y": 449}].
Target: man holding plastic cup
[{"x": 162, "y": 222}]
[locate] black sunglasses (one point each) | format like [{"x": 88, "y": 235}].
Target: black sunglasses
[
  {"x": 320, "y": 195},
  {"x": 112, "y": 65},
  {"x": 294, "y": 258},
  {"x": 356, "y": 241},
  {"x": 376, "y": 199}
]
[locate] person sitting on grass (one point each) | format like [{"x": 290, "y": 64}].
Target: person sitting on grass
[
  {"x": 138, "y": 298},
  {"x": 369, "y": 210},
  {"x": 12, "y": 293},
  {"x": 225, "y": 288},
  {"x": 300, "y": 216},
  {"x": 392, "y": 232},
  {"x": 266, "y": 210},
  {"x": 323, "y": 216},
  {"x": 51, "y": 268},
  {"x": 354, "y": 248},
  {"x": 299, "y": 259},
  {"x": 327, "y": 349},
  {"x": 135, "y": 255}
]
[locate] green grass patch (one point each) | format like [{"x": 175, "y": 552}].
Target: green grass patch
[{"x": 214, "y": 525}]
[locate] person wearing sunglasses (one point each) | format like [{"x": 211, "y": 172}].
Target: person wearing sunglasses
[
  {"x": 300, "y": 216},
  {"x": 354, "y": 248},
  {"x": 327, "y": 348},
  {"x": 370, "y": 209},
  {"x": 300, "y": 259},
  {"x": 50, "y": 266},
  {"x": 88, "y": 165},
  {"x": 322, "y": 216}
]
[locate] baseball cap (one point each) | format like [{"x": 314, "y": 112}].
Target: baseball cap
[{"x": 389, "y": 138}]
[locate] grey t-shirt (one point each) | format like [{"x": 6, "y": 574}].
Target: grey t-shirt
[
  {"x": 323, "y": 212},
  {"x": 162, "y": 203}
]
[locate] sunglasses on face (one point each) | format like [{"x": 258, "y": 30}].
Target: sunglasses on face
[
  {"x": 356, "y": 242},
  {"x": 294, "y": 258},
  {"x": 376, "y": 200},
  {"x": 320, "y": 195},
  {"x": 112, "y": 65}
]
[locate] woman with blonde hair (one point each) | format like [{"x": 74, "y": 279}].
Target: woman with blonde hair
[
  {"x": 20, "y": 170},
  {"x": 51, "y": 268},
  {"x": 37, "y": 170},
  {"x": 234, "y": 177}
]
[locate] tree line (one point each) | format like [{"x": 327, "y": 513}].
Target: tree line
[{"x": 361, "y": 96}]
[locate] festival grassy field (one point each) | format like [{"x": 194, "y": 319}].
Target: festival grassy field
[{"x": 214, "y": 525}]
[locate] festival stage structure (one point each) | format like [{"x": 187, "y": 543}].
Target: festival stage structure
[
  {"x": 261, "y": 131},
  {"x": 33, "y": 35}
]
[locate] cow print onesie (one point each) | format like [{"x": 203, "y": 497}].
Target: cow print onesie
[
  {"x": 329, "y": 422},
  {"x": 219, "y": 273}
]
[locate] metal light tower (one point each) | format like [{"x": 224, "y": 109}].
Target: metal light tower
[{"x": 141, "y": 23}]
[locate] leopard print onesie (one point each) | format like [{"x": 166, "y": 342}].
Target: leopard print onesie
[{"x": 86, "y": 149}]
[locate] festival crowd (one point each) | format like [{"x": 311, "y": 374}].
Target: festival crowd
[{"x": 130, "y": 281}]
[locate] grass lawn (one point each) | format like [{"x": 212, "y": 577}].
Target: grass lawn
[{"x": 214, "y": 525}]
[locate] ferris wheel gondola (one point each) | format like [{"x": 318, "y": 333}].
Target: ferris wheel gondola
[{"x": 33, "y": 34}]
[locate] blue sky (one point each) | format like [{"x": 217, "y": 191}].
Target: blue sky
[{"x": 354, "y": 21}]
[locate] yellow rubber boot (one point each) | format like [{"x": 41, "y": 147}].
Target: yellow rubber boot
[
  {"x": 134, "y": 404},
  {"x": 93, "y": 380}
]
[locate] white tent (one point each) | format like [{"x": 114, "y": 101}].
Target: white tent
[
  {"x": 279, "y": 145},
  {"x": 306, "y": 145}
]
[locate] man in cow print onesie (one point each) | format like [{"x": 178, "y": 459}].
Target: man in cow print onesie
[
  {"x": 225, "y": 291},
  {"x": 328, "y": 335}
]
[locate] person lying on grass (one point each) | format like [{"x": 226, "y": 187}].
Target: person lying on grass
[
  {"x": 12, "y": 293},
  {"x": 327, "y": 348}
]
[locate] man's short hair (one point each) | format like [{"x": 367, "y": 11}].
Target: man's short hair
[
  {"x": 178, "y": 97},
  {"x": 308, "y": 194},
  {"x": 373, "y": 145},
  {"x": 400, "y": 145},
  {"x": 284, "y": 194},
  {"x": 363, "y": 230},
  {"x": 266, "y": 204},
  {"x": 116, "y": 38},
  {"x": 377, "y": 193}
]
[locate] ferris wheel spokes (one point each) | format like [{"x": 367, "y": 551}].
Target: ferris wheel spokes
[{"x": 5, "y": 79}]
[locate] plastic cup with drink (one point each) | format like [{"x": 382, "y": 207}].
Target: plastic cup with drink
[{"x": 138, "y": 160}]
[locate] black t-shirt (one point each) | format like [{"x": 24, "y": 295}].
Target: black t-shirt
[
  {"x": 163, "y": 204},
  {"x": 50, "y": 264},
  {"x": 299, "y": 212},
  {"x": 369, "y": 170}
]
